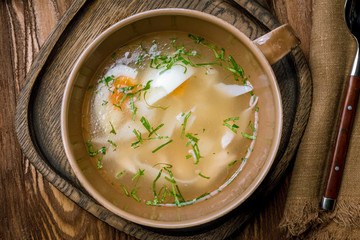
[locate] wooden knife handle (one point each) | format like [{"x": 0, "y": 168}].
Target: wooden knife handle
[{"x": 342, "y": 139}]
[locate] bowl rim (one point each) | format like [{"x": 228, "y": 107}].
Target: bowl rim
[{"x": 236, "y": 201}]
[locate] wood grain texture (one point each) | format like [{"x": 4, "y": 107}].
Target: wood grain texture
[{"x": 30, "y": 206}]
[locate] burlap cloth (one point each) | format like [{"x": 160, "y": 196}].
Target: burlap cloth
[{"x": 332, "y": 50}]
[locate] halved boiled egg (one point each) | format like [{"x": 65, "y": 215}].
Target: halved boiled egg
[
  {"x": 112, "y": 103},
  {"x": 165, "y": 82}
]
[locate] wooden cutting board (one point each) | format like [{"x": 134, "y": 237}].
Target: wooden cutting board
[{"x": 38, "y": 111}]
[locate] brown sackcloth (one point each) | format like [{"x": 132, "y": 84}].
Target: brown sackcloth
[{"x": 332, "y": 51}]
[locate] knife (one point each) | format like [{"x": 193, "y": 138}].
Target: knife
[{"x": 347, "y": 115}]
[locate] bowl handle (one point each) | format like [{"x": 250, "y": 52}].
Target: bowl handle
[{"x": 277, "y": 43}]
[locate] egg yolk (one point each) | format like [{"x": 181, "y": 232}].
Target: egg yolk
[
  {"x": 116, "y": 95},
  {"x": 180, "y": 89}
]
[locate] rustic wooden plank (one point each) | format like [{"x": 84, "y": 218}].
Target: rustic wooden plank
[{"x": 27, "y": 195}]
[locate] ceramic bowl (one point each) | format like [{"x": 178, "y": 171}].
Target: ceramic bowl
[{"x": 268, "y": 136}]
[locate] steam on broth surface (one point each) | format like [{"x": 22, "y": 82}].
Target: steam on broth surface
[{"x": 170, "y": 119}]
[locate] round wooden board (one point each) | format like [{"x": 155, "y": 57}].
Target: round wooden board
[{"x": 38, "y": 110}]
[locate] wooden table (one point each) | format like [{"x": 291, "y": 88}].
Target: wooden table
[{"x": 30, "y": 207}]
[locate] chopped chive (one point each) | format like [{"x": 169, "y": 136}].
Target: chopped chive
[
  {"x": 252, "y": 127},
  {"x": 188, "y": 156},
  {"x": 145, "y": 123},
  {"x": 184, "y": 124},
  {"x": 162, "y": 146},
  {"x": 154, "y": 130},
  {"x": 126, "y": 192},
  {"x": 203, "y": 176},
  {"x": 121, "y": 173},
  {"x": 138, "y": 62},
  {"x": 107, "y": 80},
  {"x": 113, "y": 55},
  {"x": 222, "y": 54},
  {"x": 138, "y": 175},
  {"x": 232, "y": 163},
  {"x": 193, "y": 141},
  {"x": 257, "y": 109},
  {"x": 192, "y": 138},
  {"x": 248, "y": 136},
  {"x": 170, "y": 180},
  {"x": 133, "y": 194},
  {"x": 180, "y": 195},
  {"x": 196, "y": 39},
  {"x": 232, "y": 127},
  {"x": 202, "y": 196},
  {"x": 231, "y": 119},
  {"x": 112, "y": 143},
  {"x": 104, "y": 103},
  {"x": 163, "y": 108},
  {"x": 91, "y": 149},
  {"x": 112, "y": 129},
  {"x": 99, "y": 164},
  {"x": 138, "y": 136},
  {"x": 144, "y": 49},
  {"x": 154, "y": 182}
]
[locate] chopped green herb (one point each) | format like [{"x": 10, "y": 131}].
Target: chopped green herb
[
  {"x": 232, "y": 163},
  {"x": 138, "y": 62},
  {"x": 121, "y": 101},
  {"x": 203, "y": 176},
  {"x": 248, "y": 136},
  {"x": 126, "y": 192},
  {"x": 144, "y": 49},
  {"x": 233, "y": 67},
  {"x": 145, "y": 123},
  {"x": 163, "y": 108},
  {"x": 154, "y": 182},
  {"x": 237, "y": 68},
  {"x": 107, "y": 80},
  {"x": 252, "y": 127},
  {"x": 154, "y": 130},
  {"x": 188, "y": 156},
  {"x": 121, "y": 173},
  {"x": 138, "y": 136},
  {"x": 112, "y": 129},
  {"x": 202, "y": 196},
  {"x": 112, "y": 143},
  {"x": 133, "y": 194},
  {"x": 113, "y": 55},
  {"x": 174, "y": 193},
  {"x": 104, "y": 103},
  {"x": 93, "y": 153},
  {"x": 232, "y": 127},
  {"x": 244, "y": 159},
  {"x": 155, "y": 150},
  {"x": 257, "y": 109},
  {"x": 196, "y": 39},
  {"x": 99, "y": 164},
  {"x": 193, "y": 141},
  {"x": 184, "y": 124},
  {"x": 125, "y": 91},
  {"x": 138, "y": 175}
]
